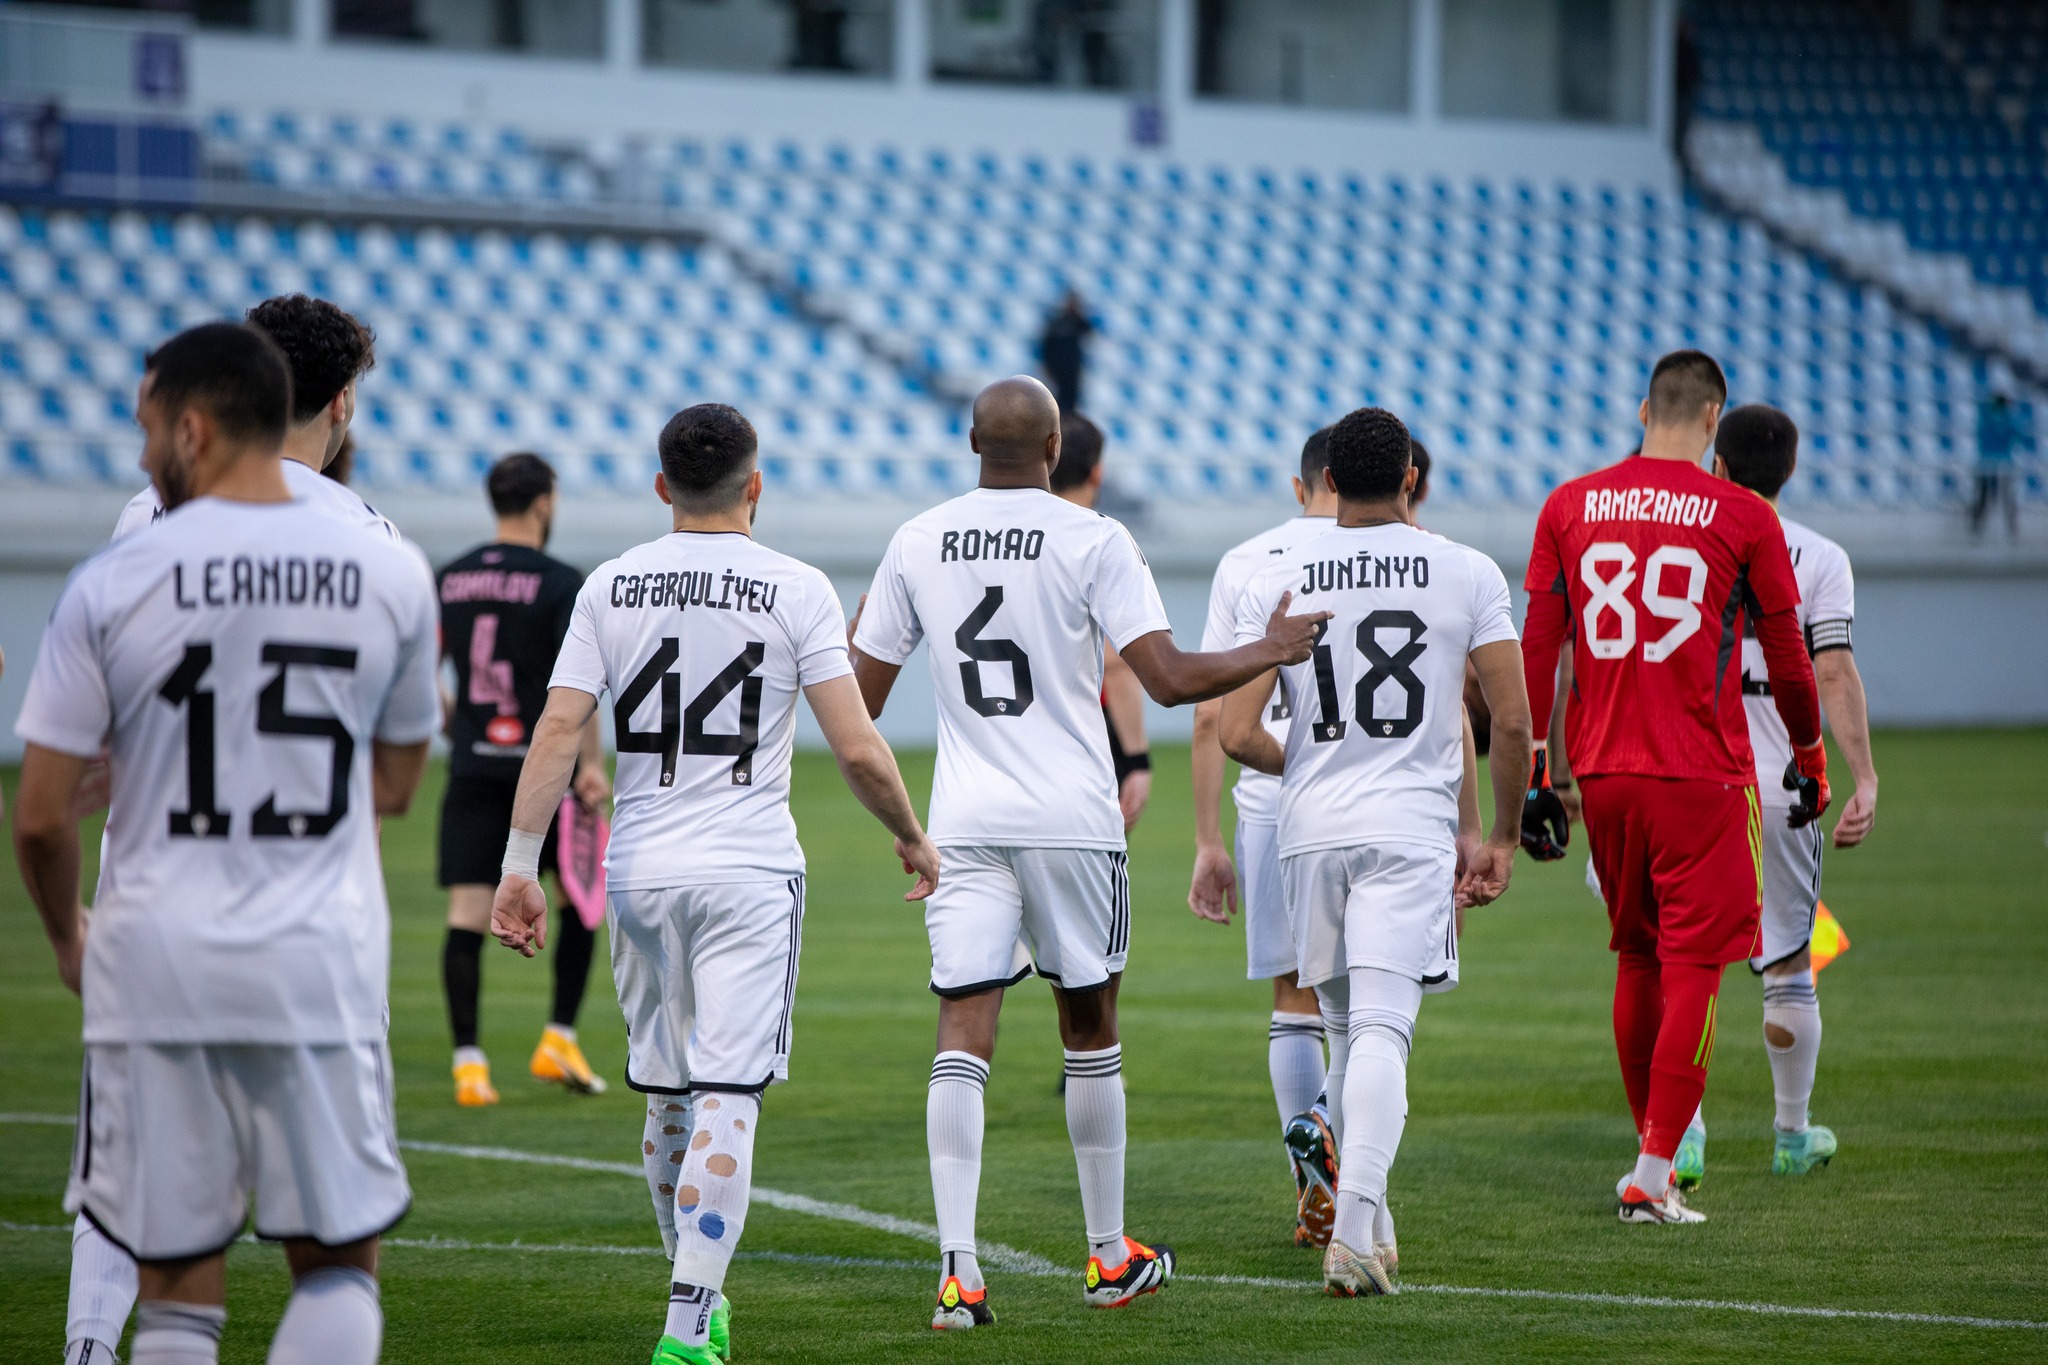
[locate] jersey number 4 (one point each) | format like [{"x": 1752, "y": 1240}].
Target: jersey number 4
[
  {"x": 968, "y": 640},
  {"x": 683, "y": 726},
  {"x": 202, "y": 817},
  {"x": 1381, "y": 667},
  {"x": 1608, "y": 569}
]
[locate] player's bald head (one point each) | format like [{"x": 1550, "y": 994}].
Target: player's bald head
[{"x": 1013, "y": 419}]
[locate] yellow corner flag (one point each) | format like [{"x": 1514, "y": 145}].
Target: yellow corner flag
[{"x": 1830, "y": 941}]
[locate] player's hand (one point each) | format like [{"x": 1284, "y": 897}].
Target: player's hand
[
  {"x": 921, "y": 860},
  {"x": 1806, "y": 776},
  {"x": 592, "y": 785},
  {"x": 1132, "y": 794},
  {"x": 1574, "y": 804},
  {"x": 519, "y": 915},
  {"x": 1546, "y": 828},
  {"x": 1296, "y": 635},
  {"x": 1857, "y": 817},
  {"x": 1486, "y": 877},
  {"x": 71, "y": 955},
  {"x": 854, "y": 624},
  {"x": 1212, "y": 892}
]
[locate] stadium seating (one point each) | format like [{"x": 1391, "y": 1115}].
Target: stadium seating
[
  {"x": 1944, "y": 139},
  {"x": 1512, "y": 324}
]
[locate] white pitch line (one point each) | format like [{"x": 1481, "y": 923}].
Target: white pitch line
[{"x": 1030, "y": 1263}]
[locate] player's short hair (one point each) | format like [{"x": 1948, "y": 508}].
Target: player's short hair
[
  {"x": 1684, "y": 382},
  {"x": 1080, "y": 452},
  {"x": 233, "y": 372},
  {"x": 518, "y": 481},
  {"x": 1315, "y": 458},
  {"x": 1370, "y": 451},
  {"x": 1760, "y": 445},
  {"x": 707, "y": 452},
  {"x": 1418, "y": 455},
  {"x": 325, "y": 346}
]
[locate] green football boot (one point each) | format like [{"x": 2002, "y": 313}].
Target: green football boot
[
  {"x": 670, "y": 1351},
  {"x": 1689, "y": 1164},
  {"x": 1799, "y": 1153},
  {"x": 721, "y": 1328}
]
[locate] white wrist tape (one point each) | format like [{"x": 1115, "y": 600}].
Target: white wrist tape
[{"x": 522, "y": 855}]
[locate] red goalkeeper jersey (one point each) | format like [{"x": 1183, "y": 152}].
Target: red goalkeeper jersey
[{"x": 1650, "y": 567}]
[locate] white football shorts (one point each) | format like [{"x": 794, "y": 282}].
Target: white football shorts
[
  {"x": 707, "y": 980},
  {"x": 1791, "y": 863},
  {"x": 1268, "y": 928},
  {"x": 1000, "y": 912},
  {"x": 1374, "y": 905},
  {"x": 176, "y": 1140}
]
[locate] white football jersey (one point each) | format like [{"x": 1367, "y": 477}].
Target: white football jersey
[
  {"x": 239, "y": 662},
  {"x": 1376, "y": 750},
  {"x": 703, "y": 640},
  {"x": 1257, "y": 794},
  {"x": 1016, "y": 590},
  {"x": 308, "y": 485},
  {"x": 1827, "y": 606}
]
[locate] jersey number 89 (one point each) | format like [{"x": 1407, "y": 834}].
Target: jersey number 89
[{"x": 1608, "y": 569}]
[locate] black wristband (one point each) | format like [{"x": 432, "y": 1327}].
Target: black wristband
[{"x": 1126, "y": 764}]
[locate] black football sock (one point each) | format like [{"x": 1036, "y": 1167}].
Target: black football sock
[
  {"x": 574, "y": 946},
  {"x": 462, "y": 979}
]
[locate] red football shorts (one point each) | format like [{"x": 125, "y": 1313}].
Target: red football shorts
[{"x": 1680, "y": 865}]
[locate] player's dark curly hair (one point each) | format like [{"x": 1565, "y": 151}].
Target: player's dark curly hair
[
  {"x": 1369, "y": 455},
  {"x": 1760, "y": 446},
  {"x": 233, "y": 373},
  {"x": 707, "y": 452},
  {"x": 326, "y": 347},
  {"x": 1080, "y": 452},
  {"x": 518, "y": 481}
]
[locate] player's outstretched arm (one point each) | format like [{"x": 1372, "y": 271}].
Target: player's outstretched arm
[
  {"x": 395, "y": 772},
  {"x": 869, "y": 767},
  {"x": 1212, "y": 890},
  {"x": 46, "y": 847},
  {"x": 1848, "y": 714},
  {"x": 1175, "y": 677},
  {"x": 1241, "y": 726},
  {"x": 519, "y": 912},
  {"x": 1500, "y": 669}
]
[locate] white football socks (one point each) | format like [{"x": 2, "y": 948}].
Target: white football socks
[
  {"x": 102, "y": 1294},
  {"x": 1652, "y": 1174},
  {"x": 713, "y": 1187},
  {"x": 1095, "y": 1123},
  {"x": 177, "y": 1333},
  {"x": 663, "y": 1144},
  {"x": 689, "y": 1313},
  {"x": 952, "y": 1134},
  {"x": 1294, "y": 1057},
  {"x": 335, "y": 1317},
  {"x": 1790, "y": 1004},
  {"x": 1333, "y": 998},
  {"x": 1382, "y": 1014}
]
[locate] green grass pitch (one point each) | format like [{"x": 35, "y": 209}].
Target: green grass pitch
[{"x": 1933, "y": 1073}]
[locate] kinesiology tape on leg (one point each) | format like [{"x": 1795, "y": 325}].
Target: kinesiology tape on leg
[
  {"x": 717, "y": 1177},
  {"x": 335, "y": 1317},
  {"x": 663, "y": 1144}
]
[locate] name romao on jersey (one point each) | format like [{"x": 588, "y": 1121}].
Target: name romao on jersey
[
  {"x": 1014, "y": 591},
  {"x": 1375, "y": 752},
  {"x": 1827, "y": 606},
  {"x": 239, "y": 661},
  {"x": 1257, "y": 794},
  {"x": 308, "y": 485},
  {"x": 702, "y": 640}
]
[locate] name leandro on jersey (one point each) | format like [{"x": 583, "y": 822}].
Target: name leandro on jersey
[
  {"x": 1364, "y": 570},
  {"x": 694, "y": 588},
  {"x": 1013, "y": 543},
  {"x": 283, "y": 580},
  {"x": 1650, "y": 504}
]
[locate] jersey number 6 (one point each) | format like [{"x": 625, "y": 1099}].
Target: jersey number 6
[
  {"x": 1610, "y": 598},
  {"x": 968, "y": 641},
  {"x": 683, "y": 727}
]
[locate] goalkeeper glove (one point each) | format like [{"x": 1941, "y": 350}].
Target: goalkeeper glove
[
  {"x": 1807, "y": 776},
  {"x": 1546, "y": 829}
]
